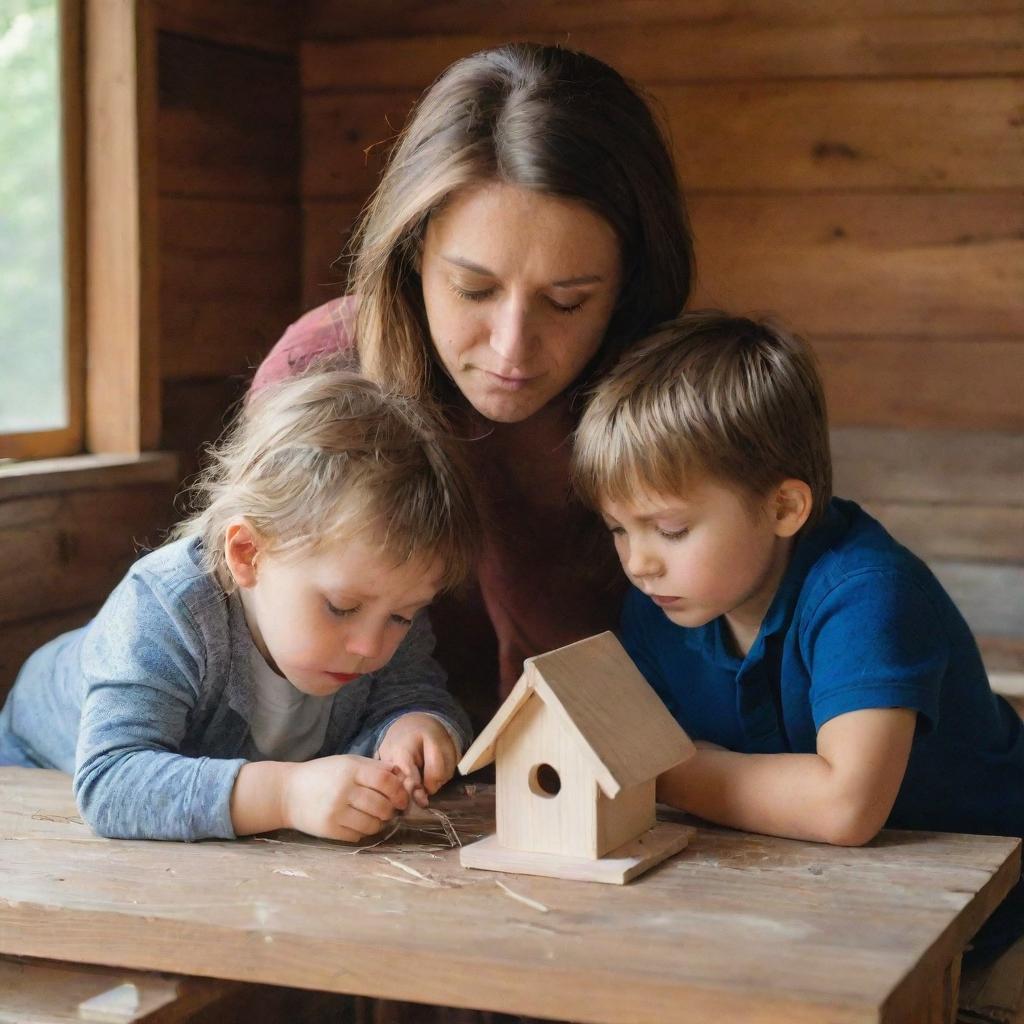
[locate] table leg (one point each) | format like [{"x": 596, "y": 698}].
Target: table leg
[
  {"x": 942, "y": 996},
  {"x": 951, "y": 988}
]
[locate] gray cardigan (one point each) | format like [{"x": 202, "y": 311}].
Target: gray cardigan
[{"x": 149, "y": 704}]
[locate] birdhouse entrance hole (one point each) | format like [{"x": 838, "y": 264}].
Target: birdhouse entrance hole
[{"x": 544, "y": 780}]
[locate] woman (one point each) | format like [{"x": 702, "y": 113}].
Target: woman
[{"x": 528, "y": 227}]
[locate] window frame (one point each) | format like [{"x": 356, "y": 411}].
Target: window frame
[
  {"x": 108, "y": 136},
  {"x": 68, "y": 439}
]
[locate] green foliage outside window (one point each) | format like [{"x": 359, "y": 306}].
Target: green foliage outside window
[{"x": 32, "y": 374}]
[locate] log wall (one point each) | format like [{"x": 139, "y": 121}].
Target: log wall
[{"x": 229, "y": 226}]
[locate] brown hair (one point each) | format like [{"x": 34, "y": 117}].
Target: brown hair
[
  {"x": 735, "y": 398},
  {"x": 540, "y": 117},
  {"x": 327, "y": 455}
]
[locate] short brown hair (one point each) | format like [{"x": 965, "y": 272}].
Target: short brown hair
[
  {"x": 735, "y": 398},
  {"x": 545, "y": 118},
  {"x": 329, "y": 454}
]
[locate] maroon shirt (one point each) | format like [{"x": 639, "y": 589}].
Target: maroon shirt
[{"x": 547, "y": 575}]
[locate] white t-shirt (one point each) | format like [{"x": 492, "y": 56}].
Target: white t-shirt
[{"x": 287, "y": 725}]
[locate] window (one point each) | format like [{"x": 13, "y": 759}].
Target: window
[
  {"x": 107, "y": 100},
  {"x": 40, "y": 378}
]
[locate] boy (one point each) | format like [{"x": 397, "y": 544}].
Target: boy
[{"x": 832, "y": 685}]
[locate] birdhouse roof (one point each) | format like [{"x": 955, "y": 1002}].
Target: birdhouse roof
[{"x": 626, "y": 733}]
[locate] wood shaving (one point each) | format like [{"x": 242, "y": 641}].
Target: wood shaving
[
  {"x": 440, "y": 828},
  {"x": 522, "y": 899},
  {"x": 383, "y": 839},
  {"x": 408, "y": 870},
  {"x": 427, "y": 883},
  {"x": 449, "y": 828}
]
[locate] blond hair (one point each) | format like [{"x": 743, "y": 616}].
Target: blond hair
[
  {"x": 737, "y": 399},
  {"x": 328, "y": 455},
  {"x": 540, "y": 117}
]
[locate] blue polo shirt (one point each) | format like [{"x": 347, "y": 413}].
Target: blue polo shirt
[{"x": 857, "y": 622}]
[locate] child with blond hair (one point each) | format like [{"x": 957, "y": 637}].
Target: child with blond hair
[
  {"x": 832, "y": 684},
  {"x": 270, "y": 667}
]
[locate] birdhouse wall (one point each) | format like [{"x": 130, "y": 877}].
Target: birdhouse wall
[
  {"x": 528, "y": 818},
  {"x": 625, "y": 817}
]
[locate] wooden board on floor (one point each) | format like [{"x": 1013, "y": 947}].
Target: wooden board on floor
[
  {"x": 42, "y": 992},
  {"x": 52, "y": 992}
]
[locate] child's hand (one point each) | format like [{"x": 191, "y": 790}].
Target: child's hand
[
  {"x": 342, "y": 797},
  {"x": 420, "y": 746}
]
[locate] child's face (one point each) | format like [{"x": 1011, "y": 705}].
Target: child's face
[
  {"x": 519, "y": 287},
  {"x": 709, "y": 552},
  {"x": 326, "y": 618}
]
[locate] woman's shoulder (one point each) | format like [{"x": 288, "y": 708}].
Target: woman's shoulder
[{"x": 325, "y": 330}]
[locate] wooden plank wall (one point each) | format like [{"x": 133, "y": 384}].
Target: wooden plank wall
[
  {"x": 228, "y": 160},
  {"x": 64, "y": 550},
  {"x": 855, "y": 168}
]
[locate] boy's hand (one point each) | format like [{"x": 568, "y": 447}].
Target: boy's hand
[
  {"x": 420, "y": 746},
  {"x": 342, "y": 797}
]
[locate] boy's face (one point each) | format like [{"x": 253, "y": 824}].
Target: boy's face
[
  {"x": 709, "y": 552},
  {"x": 325, "y": 618}
]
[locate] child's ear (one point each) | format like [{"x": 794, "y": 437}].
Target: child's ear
[
  {"x": 791, "y": 506},
  {"x": 241, "y": 549}
]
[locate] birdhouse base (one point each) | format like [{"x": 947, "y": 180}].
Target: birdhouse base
[{"x": 617, "y": 867}]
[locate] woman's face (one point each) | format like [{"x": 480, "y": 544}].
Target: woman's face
[{"x": 519, "y": 288}]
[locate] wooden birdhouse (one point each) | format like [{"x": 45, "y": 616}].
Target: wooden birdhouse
[{"x": 578, "y": 746}]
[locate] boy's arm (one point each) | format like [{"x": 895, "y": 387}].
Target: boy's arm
[
  {"x": 841, "y": 794},
  {"x": 876, "y": 651}
]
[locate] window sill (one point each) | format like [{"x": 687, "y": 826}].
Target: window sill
[{"x": 85, "y": 472}]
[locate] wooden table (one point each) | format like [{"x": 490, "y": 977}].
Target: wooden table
[{"x": 736, "y": 928}]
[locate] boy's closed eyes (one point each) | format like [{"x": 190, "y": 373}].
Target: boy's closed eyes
[{"x": 721, "y": 553}]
